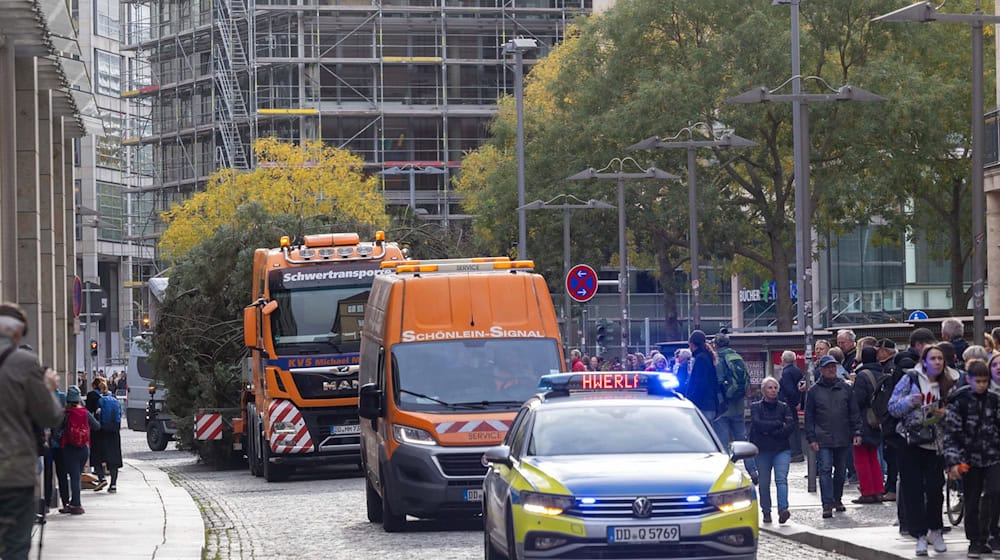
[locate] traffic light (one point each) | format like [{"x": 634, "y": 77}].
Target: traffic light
[
  {"x": 93, "y": 348},
  {"x": 614, "y": 337},
  {"x": 602, "y": 332}
]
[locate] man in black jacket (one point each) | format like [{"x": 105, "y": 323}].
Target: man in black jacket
[
  {"x": 792, "y": 385},
  {"x": 832, "y": 427}
]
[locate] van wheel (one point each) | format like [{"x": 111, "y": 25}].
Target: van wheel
[
  {"x": 272, "y": 472},
  {"x": 373, "y": 501},
  {"x": 156, "y": 438},
  {"x": 391, "y": 521}
]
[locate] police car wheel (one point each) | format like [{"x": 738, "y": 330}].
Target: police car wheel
[
  {"x": 373, "y": 501},
  {"x": 491, "y": 552},
  {"x": 156, "y": 438},
  {"x": 391, "y": 521},
  {"x": 509, "y": 526}
]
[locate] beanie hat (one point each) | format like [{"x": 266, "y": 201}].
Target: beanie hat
[
  {"x": 868, "y": 355},
  {"x": 73, "y": 394},
  {"x": 722, "y": 339},
  {"x": 697, "y": 338}
]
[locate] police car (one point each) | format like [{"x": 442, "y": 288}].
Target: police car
[{"x": 616, "y": 465}]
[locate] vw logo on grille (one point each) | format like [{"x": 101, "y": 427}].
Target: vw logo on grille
[{"x": 642, "y": 507}]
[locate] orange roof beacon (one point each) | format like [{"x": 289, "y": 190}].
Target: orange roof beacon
[
  {"x": 299, "y": 405},
  {"x": 450, "y": 349}
]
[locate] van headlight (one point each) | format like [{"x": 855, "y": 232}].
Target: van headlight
[
  {"x": 545, "y": 504},
  {"x": 732, "y": 500},
  {"x": 416, "y": 436}
]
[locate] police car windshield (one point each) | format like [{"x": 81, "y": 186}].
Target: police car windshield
[
  {"x": 319, "y": 320},
  {"x": 497, "y": 373},
  {"x": 629, "y": 428}
]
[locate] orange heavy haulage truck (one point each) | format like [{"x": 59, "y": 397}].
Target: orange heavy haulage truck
[{"x": 300, "y": 405}]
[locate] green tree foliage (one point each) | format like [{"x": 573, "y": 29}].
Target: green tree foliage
[{"x": 653, "y": 67}]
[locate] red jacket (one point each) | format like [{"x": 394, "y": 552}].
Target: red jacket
[{"x": 578, "y": 365}]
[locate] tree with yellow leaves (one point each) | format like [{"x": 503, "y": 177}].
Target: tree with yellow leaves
[{"x": 305, "y": 181}]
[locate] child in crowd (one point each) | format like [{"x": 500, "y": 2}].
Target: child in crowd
[{"x": 972, "y": 452}]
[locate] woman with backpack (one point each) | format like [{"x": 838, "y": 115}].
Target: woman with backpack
[
  {"x": 866, "y": 381},
  {"x": 109, "y": 437},
  {"x": 75, "y": 443},
  {"x": 919, "y": 400}
]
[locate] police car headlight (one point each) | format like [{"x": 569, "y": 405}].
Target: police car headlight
[
  {"x": 545, "y": 504},
  {"x": 283, "y": 428},
  {"x": 732, "y": 500},
  {"x": 416, "y": 436}
]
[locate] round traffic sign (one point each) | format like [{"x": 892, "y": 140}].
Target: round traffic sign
[
  {"x": 917, "y": 315},
  {"x": 581, "y": 283},
  {"x": 77, "y": 296}
]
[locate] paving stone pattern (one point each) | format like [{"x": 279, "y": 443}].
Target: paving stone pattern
[{"x": 321, "y": 515}]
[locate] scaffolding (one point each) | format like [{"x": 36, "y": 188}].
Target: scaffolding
[{"x": 406, "y": 84}]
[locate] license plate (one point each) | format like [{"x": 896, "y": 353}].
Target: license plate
[
  {"x": 647, "y": 534},
  {"x": 474, "y": 495},
  {"x": 344, "y": 430}
]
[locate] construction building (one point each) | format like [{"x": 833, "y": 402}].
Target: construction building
[{"x": 409, "y": 84}]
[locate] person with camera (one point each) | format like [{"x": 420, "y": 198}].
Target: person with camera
[{"x": 918, "y": 401}]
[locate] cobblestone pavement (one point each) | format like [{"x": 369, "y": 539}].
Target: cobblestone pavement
[{"x": 321, "y": 514}]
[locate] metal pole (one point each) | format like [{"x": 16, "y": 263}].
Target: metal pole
[
  {"x": 693, "y": 217},
  {"x": 567, "y": 305},
  {"x": 978, "y": 214},
  {"x": 622, "y": 268},
  {"x": 800, "y": 187},
  {"x": 413, "y": 190},
  {"x": 522, "y": 231},
  {"x": 86, "y": 333}
]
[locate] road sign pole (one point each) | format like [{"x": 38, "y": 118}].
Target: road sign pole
[
  {"x": 567, "y": 306},
  {"x": 622, "y": 269},
  {"x": 86, "y": 334}
]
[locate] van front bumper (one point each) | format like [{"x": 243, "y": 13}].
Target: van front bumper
[{"x": 434, "y": 481}]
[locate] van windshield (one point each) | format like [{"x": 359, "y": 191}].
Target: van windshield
[
  {"x": 319, "y": 320},
  {"x": 471, "y": 373}
]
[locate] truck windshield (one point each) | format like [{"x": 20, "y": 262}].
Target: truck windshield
[
  {"x": 471, "y": 373},
  {"x": 319, "y": 320}
]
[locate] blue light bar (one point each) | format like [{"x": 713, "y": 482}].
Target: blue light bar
[{"x": 653, "y": 383}]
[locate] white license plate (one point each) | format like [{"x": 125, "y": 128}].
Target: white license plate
[
  {"x": 344, "y": 430},
  {"x": 647, "y": 534},
  {"x": 474, "y": 495}
]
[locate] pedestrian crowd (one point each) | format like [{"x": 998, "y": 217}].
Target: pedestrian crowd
[{"x": 48, "y": 433}]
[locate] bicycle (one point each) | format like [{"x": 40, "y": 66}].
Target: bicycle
[{"x": 954, "y": 501}]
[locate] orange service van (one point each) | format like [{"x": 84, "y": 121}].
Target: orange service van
[{"x": 449, "y": 351}]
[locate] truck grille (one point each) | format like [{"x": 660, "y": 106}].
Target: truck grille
[
  {"x": 462, "y": 464},
  {"x": 663, "y": 507}
]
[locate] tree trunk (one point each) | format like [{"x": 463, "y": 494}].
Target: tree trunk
[
  {"x": 669, "y": 285},
  {"x": 959, "y": 304},
  {"x": 783, "y": 308}
]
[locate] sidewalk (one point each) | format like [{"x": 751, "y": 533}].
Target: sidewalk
[
  {"x": 149, "y": 518},
  {"x": 865, "y": 532}
]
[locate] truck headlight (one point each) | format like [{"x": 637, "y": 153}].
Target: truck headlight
[
  {"x": 732, "y": 500},
  {"x": 545, "y": 504},
  {"x": 416, "y": 436},
  {"x": 283, "y": 428}
]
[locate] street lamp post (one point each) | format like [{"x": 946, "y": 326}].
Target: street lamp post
[
  {"x": 691, "y": 145},
  {"x": 566, "y": 208},
  {"x": 926, "y": 12},
  {"x": 518, "y": 47},
  {"x": 617, "y": 173}
]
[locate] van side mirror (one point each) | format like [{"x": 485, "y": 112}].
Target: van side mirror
[
  {"x": 498, "y": 455},
  {"x": 251, "y": 320},
  {"x": 369, "y": 401},
  {"x": 742, "y": 450}
]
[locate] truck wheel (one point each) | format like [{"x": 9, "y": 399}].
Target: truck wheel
[
  {"x": 156, "y": 438},
  {"x": 272, "y": 472},
  {"x": 373, "y": 501},
  {"x": 253, "y": 444},
  {"x": 391, "y": 521}
]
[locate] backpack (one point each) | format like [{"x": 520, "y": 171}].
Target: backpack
[
  {"x": 111, "y": 412},
  {"x": 734, "y": 379},
  {"x": 881, "y": 387},
  {"x": 77, "y": 432}
]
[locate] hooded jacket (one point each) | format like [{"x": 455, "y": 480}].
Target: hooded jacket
[
  {"x": 25, "y": 401},
  {"x": 901, "y": 406},
  {"x": 972, "y": 428},
  {"x": 702, "y": 390}
]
